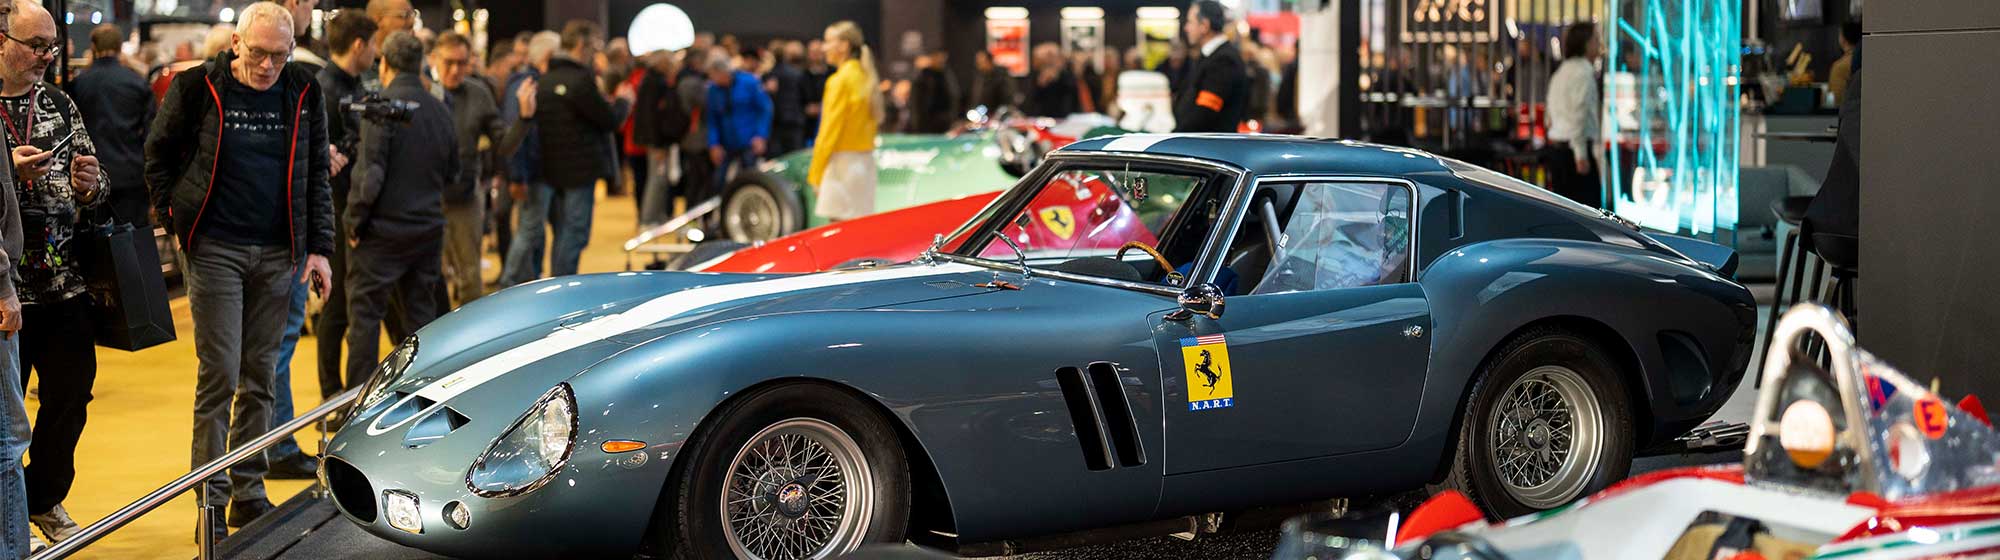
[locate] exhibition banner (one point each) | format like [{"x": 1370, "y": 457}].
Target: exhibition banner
[{"x": 1007, "y": 41}]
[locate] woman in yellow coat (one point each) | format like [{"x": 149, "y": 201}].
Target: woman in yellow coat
[{"x": 843, "y": 160}]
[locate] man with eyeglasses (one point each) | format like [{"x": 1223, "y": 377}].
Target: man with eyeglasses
[
  {"x": 246, "y": 193},
  {"x": 58, "y": 181},
  {"x": 16, "y": 541}
]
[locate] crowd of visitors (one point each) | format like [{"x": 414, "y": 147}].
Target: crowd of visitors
[{"x": 368, "y": 168}]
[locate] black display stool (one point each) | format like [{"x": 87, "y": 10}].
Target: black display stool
[
  {"x": 1791, "y": 267},
  {"x": 1841, "y": 253}
]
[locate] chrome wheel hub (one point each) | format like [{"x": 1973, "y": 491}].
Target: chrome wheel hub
[
  {"x": 1545, "y": 437},
  {"x": 752, "y": 216},
  {"x": 799, "y": 489}
]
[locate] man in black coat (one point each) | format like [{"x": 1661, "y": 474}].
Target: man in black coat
[
  {"x": 1053, "y": 93},
  {"x": 786, "y": 83},
  {"x": 1215, "y": 93},
  {"x": 236, "y": 162},
  {"x": 395, "y": 210},
  {"x": 992, "y": 88},
  {"x": 116, "y": 105},
  {"x": 933, "y": 96},
  {"x": 575, "y": 125}
]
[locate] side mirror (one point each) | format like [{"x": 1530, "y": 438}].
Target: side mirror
[{"x": 1200, "y": 299}]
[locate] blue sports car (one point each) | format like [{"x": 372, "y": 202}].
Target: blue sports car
[{"x": 1148, "y": 331}]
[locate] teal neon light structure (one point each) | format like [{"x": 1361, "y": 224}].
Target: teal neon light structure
[{"x": 1670, "y": 90}]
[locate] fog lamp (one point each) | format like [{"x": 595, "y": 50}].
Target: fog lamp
[
  {"x": 457, "y": 515},
  {"x": 401, "y": 507}
]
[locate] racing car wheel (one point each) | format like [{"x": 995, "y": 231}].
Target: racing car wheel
[{"x": 1173, "y": 276}]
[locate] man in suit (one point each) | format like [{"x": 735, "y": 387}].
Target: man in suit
[{"x": 1214, "y": 94}]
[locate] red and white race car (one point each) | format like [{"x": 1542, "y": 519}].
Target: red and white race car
[{"x": 1847, "y": 458}]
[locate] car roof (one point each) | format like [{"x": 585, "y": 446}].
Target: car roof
[{"x": 1269, "y": 154}]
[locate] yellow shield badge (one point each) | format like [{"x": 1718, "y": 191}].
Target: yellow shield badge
[
  {"x": 1210, "y": 381},
  {"x": 1059, "y": 220}
]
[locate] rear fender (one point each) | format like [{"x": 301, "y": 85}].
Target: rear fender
[{"x": 1482, "y": 293}]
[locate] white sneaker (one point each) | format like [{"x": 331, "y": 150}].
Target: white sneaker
[
  {"x": 35, "y": 544},
  {"x": 56, "y": 524}
]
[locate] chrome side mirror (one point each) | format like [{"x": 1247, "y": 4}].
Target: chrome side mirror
[{"x": 1200, "y": 299}]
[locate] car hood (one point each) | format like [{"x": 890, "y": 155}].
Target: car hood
[{"x": 487, "y": 362}]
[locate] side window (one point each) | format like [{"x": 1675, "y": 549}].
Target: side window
[{"x": 1342, "y": 235}]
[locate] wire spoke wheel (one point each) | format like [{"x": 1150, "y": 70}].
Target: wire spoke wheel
[
  {"x": 1545, "y": 437},
  {"x": 752, "y": 215},
  {"x": 799, "y": 489}
]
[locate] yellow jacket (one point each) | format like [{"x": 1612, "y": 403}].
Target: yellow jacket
[{"x": 847, "y": 122}]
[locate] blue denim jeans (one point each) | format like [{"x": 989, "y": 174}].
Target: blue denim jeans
[
  {"x": 570, "y": 218},
  {"x": 281, "y": 386},
  {"x": 524, "y": 252},
  {"x": 14, "y": 434}
]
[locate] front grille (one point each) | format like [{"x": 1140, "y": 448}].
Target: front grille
[{"x": 350, "y": 489}]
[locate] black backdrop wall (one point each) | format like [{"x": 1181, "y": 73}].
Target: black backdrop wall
[{"x": 1930, "y": 200}]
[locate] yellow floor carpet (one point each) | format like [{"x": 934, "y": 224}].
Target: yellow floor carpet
[{"x": 138, "y": 436}]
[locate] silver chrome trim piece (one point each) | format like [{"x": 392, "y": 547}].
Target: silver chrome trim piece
[
  {"x": 1044, "y": 272},
  {"x": 561, "y": 390}
]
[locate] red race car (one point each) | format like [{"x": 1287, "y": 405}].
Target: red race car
[{"x": 1091, "y": 213}]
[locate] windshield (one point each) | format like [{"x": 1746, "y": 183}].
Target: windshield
[{"x": 1077, "y": 219}]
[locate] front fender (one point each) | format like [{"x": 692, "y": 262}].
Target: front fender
[
  {"x": 986, "y": 424},
  {"x": 1484, "y": 292}
]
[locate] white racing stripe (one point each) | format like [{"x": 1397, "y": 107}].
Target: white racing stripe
[
  {"x": 1134, "y": 142},
  {"x": 668, "y": 306}
]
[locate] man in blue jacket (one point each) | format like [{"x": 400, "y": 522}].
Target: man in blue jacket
[{"x": 738, "y": 116}]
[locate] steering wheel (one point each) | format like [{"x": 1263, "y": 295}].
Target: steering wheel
[{"x": 1173, "y": 276}]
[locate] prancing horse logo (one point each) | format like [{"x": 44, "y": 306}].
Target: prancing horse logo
[{"x": 1208, "y": 370}]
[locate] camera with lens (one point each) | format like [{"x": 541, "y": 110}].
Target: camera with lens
[{"x": 379, "y": 109}]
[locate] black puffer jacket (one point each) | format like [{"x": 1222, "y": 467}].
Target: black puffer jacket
[
  {"x": 182, "y": 152},
  {"x": 575, "y": 124}
]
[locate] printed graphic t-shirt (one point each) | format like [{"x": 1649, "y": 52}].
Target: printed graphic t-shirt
[{"x": 248, "y": 205}]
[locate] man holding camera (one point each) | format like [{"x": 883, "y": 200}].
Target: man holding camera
[
  {"x": 237, "y": 163},
  {"x": 395, "y": 214},
  {"x": 56, "y": 169}
]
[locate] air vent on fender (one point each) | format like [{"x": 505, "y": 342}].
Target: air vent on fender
[
  {"x": 403, "y": 406},
  {"x": 433, "y": 427},
  {"x": 1102, "y": 416}
]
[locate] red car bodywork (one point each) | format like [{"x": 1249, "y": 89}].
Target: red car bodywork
[{"x": 1095, "y": 211}]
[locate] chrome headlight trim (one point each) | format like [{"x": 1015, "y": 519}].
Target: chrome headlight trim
[
  {"x": 386, "y": 375},
  {"x": 568, "y": 398}
]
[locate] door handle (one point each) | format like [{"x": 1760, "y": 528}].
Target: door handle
[{"x": 1414, "y": 331}]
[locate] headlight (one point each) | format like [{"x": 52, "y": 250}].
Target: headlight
[
  {"x": 387, "y": 374},
  {"x": 530, "y": 452}
]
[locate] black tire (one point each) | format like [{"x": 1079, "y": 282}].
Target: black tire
[
  {"x": 694, "y": 524},
  {"x": 758, "y": 207},
  {"x": 706, "y": 251},
  {"x": 1544, "y": 353}
]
